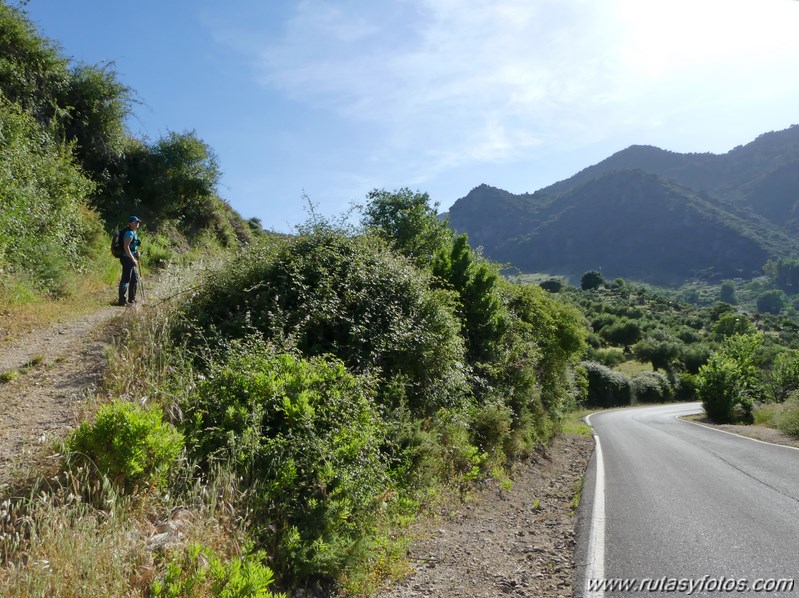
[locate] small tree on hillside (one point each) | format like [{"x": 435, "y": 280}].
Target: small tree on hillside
[
  {"x": 771, "y": 302},
  {"x": 719, "y": 309},
  {"x": 591, "y": 280},
  {"x": 727, "y": 292},
  {"x": 624, "y": 332},
  {"x": 658, "y": 349},
  {"x": 552, "y": 285},
  {"x": 731, "y": 324}
]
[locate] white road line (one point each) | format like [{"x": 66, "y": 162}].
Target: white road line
[
  {"x": 595, "y": 562},
  {"x": 688, "y": 421}
]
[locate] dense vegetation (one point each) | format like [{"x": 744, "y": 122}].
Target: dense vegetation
[
  {"x": 649, "y": 215},
  {"x": 348, "y": 375},
  {"x": 647, "y": 345}
]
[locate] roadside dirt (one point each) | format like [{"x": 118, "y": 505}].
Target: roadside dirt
[
  {"x": 46, "y": 375},
  {"x": 517, "y": 542}
]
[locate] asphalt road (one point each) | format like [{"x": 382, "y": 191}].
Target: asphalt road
[{"x": 686, "y": 503}]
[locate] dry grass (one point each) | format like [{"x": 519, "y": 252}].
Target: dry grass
[
  {"x": 632, "y": 368},
  {"x": 56, "y": 544}
]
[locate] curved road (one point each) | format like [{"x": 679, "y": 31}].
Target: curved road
[{"x": 665, "y": 498}]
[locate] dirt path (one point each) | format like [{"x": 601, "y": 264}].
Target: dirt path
[{"x": 53, "y": 369}]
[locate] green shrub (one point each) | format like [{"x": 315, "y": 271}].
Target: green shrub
[
  {"x": 198, "y": 570},
  {"x": 129, "y": 443},
  {"x": 652, "y": 387},
  {"x": 158, "y": 252},
  {"x": 659, "y": 349},
  {"x": 716, "y": 384},
  {"x": 491, "y": 426},
  {"x": 558, "y": 332},
  {"x": 610, "y": 357},
  {"x": 305, "y": 436},
  {"x": 766, "y": 414},
  {"x": 606, "y": 388},
  {"x": 788, "y": 419},
  {"x": 45, "y": 223},
  {"x": 457, "y": 457},
  {"x": 325, "y": 293},
  {"x": 784, "y": 375},
  {"x": 685, "y": 387},
  {"x": 731, "y": 323}
]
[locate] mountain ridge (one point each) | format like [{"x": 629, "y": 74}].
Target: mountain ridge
[{"x": 649, "y": 214}]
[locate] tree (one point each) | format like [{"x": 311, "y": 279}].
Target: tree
[
  {"x": 591, "y": 280},
  {"x": 174, "y": 179},
  {"x": 32, "y": 73},
  {"x": 95, "y": 105},
  {"x": 559, "y": 332},
  {"x": 695, "y": 356},
  {"x": 659, "y": 349},
  {"x": 729, "y": 383},
  {"x": 727, "y": 292},
  {"x": 484, "y": 317},
  {"x": 719, "y": 309},
  {"x": 623, "y": 332},
  {"x": 84, "y": 105},
  {"x": 552, "y": 285},
  {"x": 408, "y": 222},
  {"x": 771, "y": 302},
  {"x": 731, "y": 324},
  {"x": 784, "y": 274}
]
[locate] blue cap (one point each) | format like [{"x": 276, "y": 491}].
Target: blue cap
[{"x": 134, "y": 219}]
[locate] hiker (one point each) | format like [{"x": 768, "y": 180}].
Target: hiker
[{"x": 130, "y": 262}]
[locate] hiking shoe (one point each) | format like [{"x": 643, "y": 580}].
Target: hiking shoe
[
  {"x": 132, "y": 301},
  {"x": 122, "y": 303}
]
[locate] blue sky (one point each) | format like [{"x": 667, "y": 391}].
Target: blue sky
[{"x": 328, "y": 99}]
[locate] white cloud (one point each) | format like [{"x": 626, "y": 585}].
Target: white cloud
[{"x": 448, "y": 83}]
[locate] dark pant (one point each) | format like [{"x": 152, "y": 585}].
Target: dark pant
[{"x": 129, "y": 281}]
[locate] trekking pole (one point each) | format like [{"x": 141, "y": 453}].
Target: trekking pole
[{"x": 141, "y": 283}]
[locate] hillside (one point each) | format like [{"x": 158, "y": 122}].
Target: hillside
[{"x": 649, "y": 214}]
